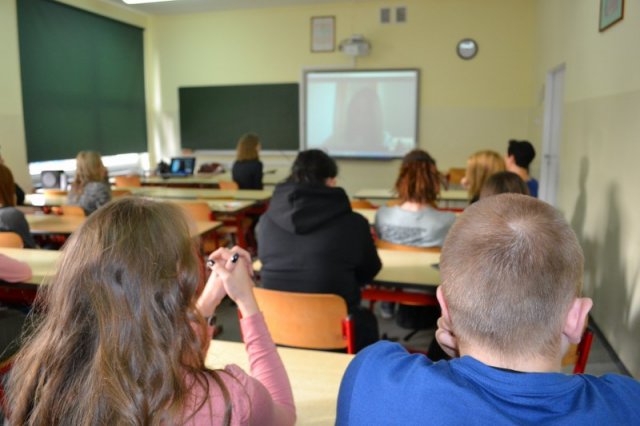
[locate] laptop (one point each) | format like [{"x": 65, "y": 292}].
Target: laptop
[{"x": 181, "y": 166}]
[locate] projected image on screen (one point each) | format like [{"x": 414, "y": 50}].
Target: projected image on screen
[{"x": 369, "y": 114}]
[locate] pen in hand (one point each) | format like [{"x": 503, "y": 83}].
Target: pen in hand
[{"x": 234, "y": 259}]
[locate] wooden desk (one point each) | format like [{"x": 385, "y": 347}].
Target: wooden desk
[
  {"x": 389, "y": 194},
  {"x": 57, "y": 224},
  {"x": 219, "y": 206},
  {"x": 315, "y": 377},
  {"x": 369, "y": 214},
  {"x": 195, "y": 193},
  {"x": 209, "y": 180},
  {"x": 42, "y": 262}
]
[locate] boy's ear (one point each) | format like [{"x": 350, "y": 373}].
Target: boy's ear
[
  {"x": 444, "y": 308},
  {"x": 576, "y": 320}
]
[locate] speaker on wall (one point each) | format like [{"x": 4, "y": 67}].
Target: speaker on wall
[{"x": 53, "y": 179}]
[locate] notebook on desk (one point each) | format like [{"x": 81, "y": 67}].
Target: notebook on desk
[{"x": 181, "y": 166}]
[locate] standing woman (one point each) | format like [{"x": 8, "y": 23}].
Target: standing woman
[
  {"x": 480, "y": 166},
  {"x": 12, "y": 219},
  {"x": 124, "y": 333},
  {"x": 90, "y": 189},
  {"x": 247, "y": 169}
]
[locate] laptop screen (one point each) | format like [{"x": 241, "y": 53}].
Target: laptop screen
[{"x": 182, "y": 166}]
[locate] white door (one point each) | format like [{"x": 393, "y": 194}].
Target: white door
[{"x": 551, "y": 133}]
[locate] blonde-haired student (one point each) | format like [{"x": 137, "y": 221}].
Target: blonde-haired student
[{"x": 90, "y": 189}]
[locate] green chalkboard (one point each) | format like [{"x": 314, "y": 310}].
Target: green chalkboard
[{"x": 215, "y": 117}]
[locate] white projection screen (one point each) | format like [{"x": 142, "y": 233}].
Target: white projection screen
[{"x": 361, "y": 113}]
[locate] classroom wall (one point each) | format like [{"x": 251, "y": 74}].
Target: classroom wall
[
  {"x": 599, "y": 171},
  {"x": 465, "y": 105},
  {"x": 12, "y": 138}
]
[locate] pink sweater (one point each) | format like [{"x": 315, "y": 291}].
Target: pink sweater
[
  {"x": 262, "y": 398},
  {"x": 12, "y": 270}
]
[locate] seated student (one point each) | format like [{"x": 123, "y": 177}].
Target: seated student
[
  {"x": 124, "y": 334},
  {"x": 519, "y": 156},
  {"x": 12, "y": 219},
  {"x": 415, "y": 221},
  {"x": 19, "y": 191},
  {"x": 90, "y": 189},
  {"x": 310, "y": 240},
  {"x": 510, "y": 295},
  {"x": 480, "y": 166},
  {"x": 12, "y": 271},
  {"x": 502, "y": 183},
  {"x": 247, "y": 169}
]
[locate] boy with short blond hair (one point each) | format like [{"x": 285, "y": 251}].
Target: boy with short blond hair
[{"x": 511, "y": 277}]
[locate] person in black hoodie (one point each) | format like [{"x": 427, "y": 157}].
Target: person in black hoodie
[{"x": 310, "y": 240}]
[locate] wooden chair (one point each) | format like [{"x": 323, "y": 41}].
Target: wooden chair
[
  {"x": 382, "y": 244},
  {"x": 394, "y": 202},
  {"x": 362, "y": 204},
  {"x": 49, "y": 191},
  {"x": 130, "y": 180},
  {"x": 578, "y": 355},
  {"x": 120, "y": 192},
  {"x": 11, "y": 240},
  {"x": 307, "y": 320},
  {"x": 228, "y": 185},
  {"x": 455, "y": 175},
  {"x": 201, "y": 212},
  {"x": 71, "y": 210}
]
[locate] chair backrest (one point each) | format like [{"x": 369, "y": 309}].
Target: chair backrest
[
  {"x": 393, "y": 202},
  {"x": 578, "y": 355},
  {"x": 362, "y": 204},
  {"x": 228, "y": 185},
  {"x": 382, "y": 244},
  {"x": 11, "y": 240},
  {"x": 455, "y": 175},
  {"x": 198, "y": 211},
  {"x": 71, "y": 210},
  {"x": 306, "y": 320},
  {"x": 49, "y": 191},
  {"x": 120, "y": 192},
  {"x": 131, "y": 180}
]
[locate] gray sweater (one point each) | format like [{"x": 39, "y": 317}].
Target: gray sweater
[
  {"x": 13, "y": 220},
  {"x": 424, "y": 228},
  {"x": 94, "y": 195}
]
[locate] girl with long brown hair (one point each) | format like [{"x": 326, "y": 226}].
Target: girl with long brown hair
[
  {"x": 123, "y": 333},
  {"x": 247, "y": 170}
]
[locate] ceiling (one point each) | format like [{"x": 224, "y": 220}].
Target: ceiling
[{"x": 176, "y": 7}]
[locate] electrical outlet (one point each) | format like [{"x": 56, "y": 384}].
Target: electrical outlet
[
  {"x": 385, "y": 15},
  {"x": 401, "y": 15}
]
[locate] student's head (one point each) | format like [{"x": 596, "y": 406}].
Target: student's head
[
  {"x": 511, "y": 271},
  {"x": 248, "y": 147},
  {"x": 89, "y": 168},
  {"x": 480, "y": 166},
  {"x": 118, "y": 327},
  {"x": 418, "y": 180},
  {"x": 315, "y": 167},
  {"x": 520, "y": 153},
  {"x": 7, "y": 187},
  {"x": 504, "y": 182}
]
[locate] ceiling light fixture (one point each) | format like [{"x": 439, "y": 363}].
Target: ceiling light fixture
[{"x": 143, "y": 1}]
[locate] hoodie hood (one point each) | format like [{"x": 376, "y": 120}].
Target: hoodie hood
[{"x": 300, "y": 208}]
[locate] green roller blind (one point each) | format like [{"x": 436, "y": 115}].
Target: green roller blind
[
  {"x": 82, "y": 82},
  {"x": 215, "y": 117}
]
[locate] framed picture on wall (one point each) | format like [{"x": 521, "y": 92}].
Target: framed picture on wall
[
  {"x": 323, "y": 33},
  {"x": 611, "y": 11}
]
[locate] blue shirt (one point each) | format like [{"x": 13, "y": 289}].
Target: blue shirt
[
  {"x": 386, "y": 385},
  {"x": 532, "y": 184}
]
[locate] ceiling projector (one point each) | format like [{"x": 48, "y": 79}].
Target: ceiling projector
[{"x": 356, "y": 45}]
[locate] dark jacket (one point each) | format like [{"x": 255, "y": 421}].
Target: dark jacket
[
  {"x": 310, "y": 241},
  {"x": 247, "y": 174}
]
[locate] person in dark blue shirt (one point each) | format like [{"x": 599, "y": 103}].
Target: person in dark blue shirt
[
  {"x": 511, "y": 270},
  {"x": 519, "y": 156}
]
